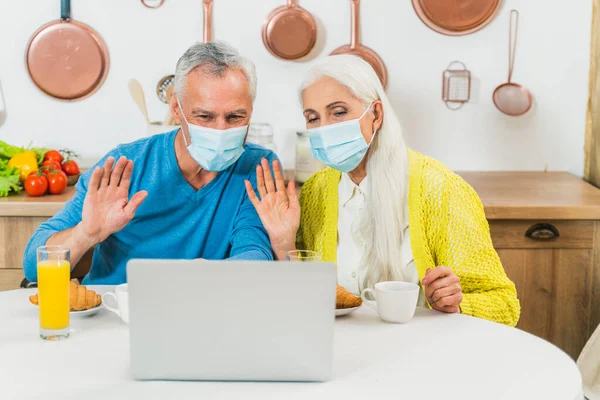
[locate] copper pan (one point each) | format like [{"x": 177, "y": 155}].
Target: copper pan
[
  {"x": 357, "y": 49},
  {"x": 456, "y": 17},
  {"x": 290, "y": 32},
  {"x": 207, "y": 20},
  {"x": 67, "y": 59}
]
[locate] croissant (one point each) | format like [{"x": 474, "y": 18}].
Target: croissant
[
  {"x": 345, "y": 299},
  {"x": 80, "y": 298}
]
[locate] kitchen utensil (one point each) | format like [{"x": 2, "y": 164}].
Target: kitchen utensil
[
  {"x": 357, "y": 49},
  {"x": 153, "y": 4},
  {"x": 456, "y": 86},
  {"x": 169, "y": 117},
  {"x": 67, "y": 59},
  {"x": 137, "y": 93},
  {"x": 290, "y": 32},
  {"x": 161, "y": 88},
  {"x": 456, "y": 17},
  {"x": 511, "y": 98},
  {"x": 207, "y": 20}
]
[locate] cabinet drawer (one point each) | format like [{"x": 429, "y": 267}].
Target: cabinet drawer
[{"x": 523, "y": 234}]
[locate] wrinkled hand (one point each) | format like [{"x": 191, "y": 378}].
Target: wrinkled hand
[
  {"x": 442, "y": 290},
  {"x": 106, "y": 208},
  {"x": 278, "y": 208}
]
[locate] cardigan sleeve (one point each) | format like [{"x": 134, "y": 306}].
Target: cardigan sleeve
[{"x": 465, "y": 245}]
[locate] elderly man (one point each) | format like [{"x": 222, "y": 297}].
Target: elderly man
[{"x": 176, "y": 195}]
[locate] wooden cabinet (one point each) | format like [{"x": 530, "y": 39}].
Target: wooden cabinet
[
  {"x": 555, "y": 279},
  {"x": 546, "y": 229}
]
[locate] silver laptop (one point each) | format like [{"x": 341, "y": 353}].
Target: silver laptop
[{"x": 231, "y": 320}]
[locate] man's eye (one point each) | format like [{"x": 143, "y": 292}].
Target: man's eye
[{"x": 235, "y": 117}]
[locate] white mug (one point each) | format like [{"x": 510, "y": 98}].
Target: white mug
[
  {"x": 395, "y": 301},
  {"x": 121, "y": 297}
]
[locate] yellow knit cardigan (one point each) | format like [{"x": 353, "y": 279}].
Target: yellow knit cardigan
[{"x": 447, "y": 228}]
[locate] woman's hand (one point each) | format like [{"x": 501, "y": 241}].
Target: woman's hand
[
  {"x": 442, "y": 290},
  {"x": 278, "y": 208}
]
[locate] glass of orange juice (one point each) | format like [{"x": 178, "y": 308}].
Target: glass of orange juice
[{"x": 54, "y": 274}]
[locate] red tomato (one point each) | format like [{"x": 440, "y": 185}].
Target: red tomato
[
  {"x": 36, "y": 185},
  {"x": 70, "y": 168},
  {"x": 51, "y": 164},
  {"x": 57, "y": 182},
  {"x": 53, "y": 155}
]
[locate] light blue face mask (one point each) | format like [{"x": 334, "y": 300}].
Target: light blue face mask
[
  {"x": 214, "y": 149},
  {"x": 340, "y": 146}
]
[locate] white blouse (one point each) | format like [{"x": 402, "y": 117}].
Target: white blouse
[{"x": 351, "y": 198}]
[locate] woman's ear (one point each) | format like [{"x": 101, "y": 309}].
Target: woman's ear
[{"x": 377, "y": 108}]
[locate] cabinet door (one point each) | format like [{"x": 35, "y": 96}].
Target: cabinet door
[
  {"x": 554, "y": 287},
  {"x": 15, "y": 233}
]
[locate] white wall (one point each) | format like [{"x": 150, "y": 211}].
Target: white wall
[{"x": 552, "y": 61}]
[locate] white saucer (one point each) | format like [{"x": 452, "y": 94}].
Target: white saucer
[
  {"x": 345, "y": 311},
  {"x": 86, "y": 313},
  {"x": 83, "y": 313}
]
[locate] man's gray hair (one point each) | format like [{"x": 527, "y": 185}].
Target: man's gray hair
[{"x": 213, "y": 58}]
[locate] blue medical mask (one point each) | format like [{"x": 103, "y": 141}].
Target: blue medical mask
[
  {"x": 214, "y": 149},
  {"x": 340, "y": 146}
]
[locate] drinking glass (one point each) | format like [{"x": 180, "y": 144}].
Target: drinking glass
[
  {"x": 303, "y": 256},
  {"x": 54, "y": 274}
]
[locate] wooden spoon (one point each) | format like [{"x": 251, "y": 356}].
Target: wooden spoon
[{"x": 137, "y": 93}]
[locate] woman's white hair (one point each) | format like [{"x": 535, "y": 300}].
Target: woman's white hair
[{"x": 379, "y": 230}]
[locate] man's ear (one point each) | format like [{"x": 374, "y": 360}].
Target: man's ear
[{"x": 175, "y": 112}]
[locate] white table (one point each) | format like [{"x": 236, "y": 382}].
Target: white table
[{"x": 434, "y": 356}]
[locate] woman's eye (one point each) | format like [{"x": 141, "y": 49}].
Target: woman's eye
[
  {"x": 340, "y": 113},
  {"x": 312, "y": 120}
]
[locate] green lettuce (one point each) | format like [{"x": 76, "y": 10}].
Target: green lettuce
[{"x": 9, "y": 179}]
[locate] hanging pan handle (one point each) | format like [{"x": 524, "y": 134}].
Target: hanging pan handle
[
  {"x": 512, "y": 41},
  {"x": 65, "y": 10},
  {"x": 153, "y": 6},
  {"x": 207, "y": 20},
  {"x": 354, "y": 39}
]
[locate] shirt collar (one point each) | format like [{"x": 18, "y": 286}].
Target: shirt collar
[{"x": 349, "y": 189}]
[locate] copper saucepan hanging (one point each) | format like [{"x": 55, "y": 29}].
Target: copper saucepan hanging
[
  {"x": 511, "y": 98},
  {"x": 456, "y": 17},
  {"x": 357, "y": 49},
  {"x": 67, "y": 59},
  {"x": 290, "y": 32}
]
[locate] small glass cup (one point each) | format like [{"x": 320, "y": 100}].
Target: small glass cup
[
  {"x": 54, "y": 274},
  {"x": 303, "y": 256}
]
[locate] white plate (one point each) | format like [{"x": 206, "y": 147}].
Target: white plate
[{"x": 345, "y": 311}]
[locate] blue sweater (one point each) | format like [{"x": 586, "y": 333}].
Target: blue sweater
[{"x": 175, "y": 221}]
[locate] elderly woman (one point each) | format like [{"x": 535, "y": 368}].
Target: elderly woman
[{"x": 381, "y": 211}]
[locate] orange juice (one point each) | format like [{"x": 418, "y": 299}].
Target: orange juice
[{"x": 53, "y": 287}]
